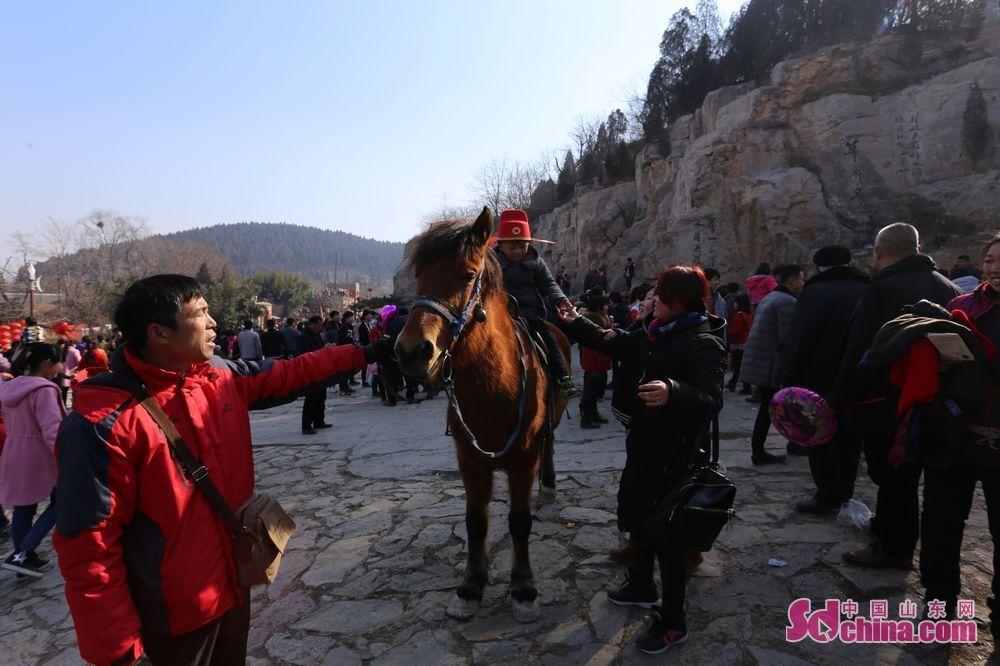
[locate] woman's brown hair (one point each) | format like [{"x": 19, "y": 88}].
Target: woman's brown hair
[{"x": 685, "y": 285}]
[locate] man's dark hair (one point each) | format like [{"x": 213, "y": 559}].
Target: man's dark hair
[
  {"x": 964, "y": 257},
  {"x": 271, "y": 324},
  {"x": 615, "y": 297},
  {"x": 347, "y": 315},
  {"x": 153, "y": 300},
  {"x": 788, "y": 271},
  {"x": 763, "y": 269},
  {"x": 711, "y": 273},
  {"x": 30, "y": 321},
  {"x": 290, "y": 321},
  {"x": 247, "y": 324},
  {"x": 315, "y": 319},
  {"x": 334, "y": 313},
  {"x": 733, "y": 288}
]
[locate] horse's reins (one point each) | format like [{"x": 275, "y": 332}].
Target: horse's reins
[{"x": 459, "y": 320}]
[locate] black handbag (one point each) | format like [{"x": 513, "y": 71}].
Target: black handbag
[{"x": 694, "y": 512}]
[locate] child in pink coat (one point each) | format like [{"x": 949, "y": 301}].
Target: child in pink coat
[{"x": 32, "y": 410}]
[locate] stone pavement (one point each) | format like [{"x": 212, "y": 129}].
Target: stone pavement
[{"x": 380, "y": 549}]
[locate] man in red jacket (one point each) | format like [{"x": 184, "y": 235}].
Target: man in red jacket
[{"x": 148, "y": 563}]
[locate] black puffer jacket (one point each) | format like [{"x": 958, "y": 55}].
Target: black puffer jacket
[
  {"x": 530, "y": 282},
  {"x": 625, "y": 378},
  {"x": 822, "y": 320},
  {"x": 660, "y": 438},
  {"x": 903, "y": 283}
]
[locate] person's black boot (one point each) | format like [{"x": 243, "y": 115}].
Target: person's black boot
[
  {"x": 596, "y": 415},
  {"x": 635, "y": 592},
  {"x": 794, "y": 449},
  {"x": 765, "y": 458},
  {"x": 817, "y": 507},
  {"x": 587, "y": 420},
  {"x": 874, "y": 557}
]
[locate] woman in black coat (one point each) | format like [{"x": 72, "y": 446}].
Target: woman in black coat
[{"x": 681, "y": 360}]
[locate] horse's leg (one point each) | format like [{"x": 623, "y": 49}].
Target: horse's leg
[
  {"x": 547, "y": 469},
  {"x": 523, "y": 594},
  {"x": 478, "y": 480}
]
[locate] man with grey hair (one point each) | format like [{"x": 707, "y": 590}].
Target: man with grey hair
[{"x": 902, "y": 277}]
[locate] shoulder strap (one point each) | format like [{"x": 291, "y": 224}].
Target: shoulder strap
[
  {"x": 193, "y": 468},
  {"x": 715, "y": 439}
]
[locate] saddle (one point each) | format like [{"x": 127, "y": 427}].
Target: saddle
[{"x": 537, "y": 343}]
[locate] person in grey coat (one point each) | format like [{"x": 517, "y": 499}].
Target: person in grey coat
[
  {"x": 248, "y": 339},
  {"x": 762, "y": 366}
]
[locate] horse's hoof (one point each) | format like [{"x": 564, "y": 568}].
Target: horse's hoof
[
  {"x": 462, "y": 609},
  {"x": 546, "y": 494},
  {"x": 526, "y": 611}
]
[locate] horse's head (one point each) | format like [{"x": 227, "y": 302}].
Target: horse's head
[{"x": 454, "y": 272}]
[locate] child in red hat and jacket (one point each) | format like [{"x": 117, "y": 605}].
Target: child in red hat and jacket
[{"x": 528, "y": 279}]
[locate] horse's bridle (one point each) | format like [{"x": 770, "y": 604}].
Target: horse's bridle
[{"x": 459, "y": 320}]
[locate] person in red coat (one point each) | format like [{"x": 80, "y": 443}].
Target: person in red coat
[
  {"x": 595, "y": 364},
  {"x": 147, "y": 562},
  {"x": 739, "y": 333}
]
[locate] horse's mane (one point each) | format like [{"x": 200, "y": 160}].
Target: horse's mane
[{"x": 448, "y": 238}]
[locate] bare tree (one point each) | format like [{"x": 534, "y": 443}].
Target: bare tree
[
  {"x": 522, "y": 179},
  {"x": 584, "y": 133},
  {"x": 450, "y": 211},
  {"x": 490, "y": 184},
  {"x": 504, "y": 183},
  {"x": 709, "y": 23}
]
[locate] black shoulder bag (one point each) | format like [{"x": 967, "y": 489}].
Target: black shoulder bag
[{"x": 695, "y": 510}]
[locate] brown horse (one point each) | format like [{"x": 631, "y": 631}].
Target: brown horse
[{"x": 460, "y": 332}]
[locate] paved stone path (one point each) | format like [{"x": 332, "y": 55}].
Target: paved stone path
[{"x": 380, "y": 549}]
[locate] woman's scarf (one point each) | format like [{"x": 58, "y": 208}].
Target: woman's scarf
[{"x": 657, "y": 329}]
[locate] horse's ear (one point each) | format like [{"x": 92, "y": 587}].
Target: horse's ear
[{"x": 482, "y": 228}]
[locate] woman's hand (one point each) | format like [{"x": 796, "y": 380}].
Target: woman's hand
[
  {"x": 610, "y": 334},
  {"x": 654, "y": 394}
]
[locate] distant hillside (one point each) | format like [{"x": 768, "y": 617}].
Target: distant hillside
[{"x": 318, "y": 255}]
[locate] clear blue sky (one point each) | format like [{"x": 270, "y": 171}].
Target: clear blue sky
[{"x": 353, "y": 116}]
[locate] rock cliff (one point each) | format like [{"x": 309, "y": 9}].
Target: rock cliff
[{"x": 837, "y": 144}]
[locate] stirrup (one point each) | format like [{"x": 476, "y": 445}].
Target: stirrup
[{"x": 567, "y": 388}]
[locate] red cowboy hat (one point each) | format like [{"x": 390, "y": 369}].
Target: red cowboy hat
[{"x": 514, "y": 226}]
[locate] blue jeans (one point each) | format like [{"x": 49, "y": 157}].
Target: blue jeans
[{"x": 27, "y": 535}]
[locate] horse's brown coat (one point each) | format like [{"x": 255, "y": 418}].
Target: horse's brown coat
[{"x": 487, "y": 382}]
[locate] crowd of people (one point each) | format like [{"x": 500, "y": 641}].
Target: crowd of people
[
  {"x": 149, "y": 576},
  {"x": 846, "y": 335}
]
